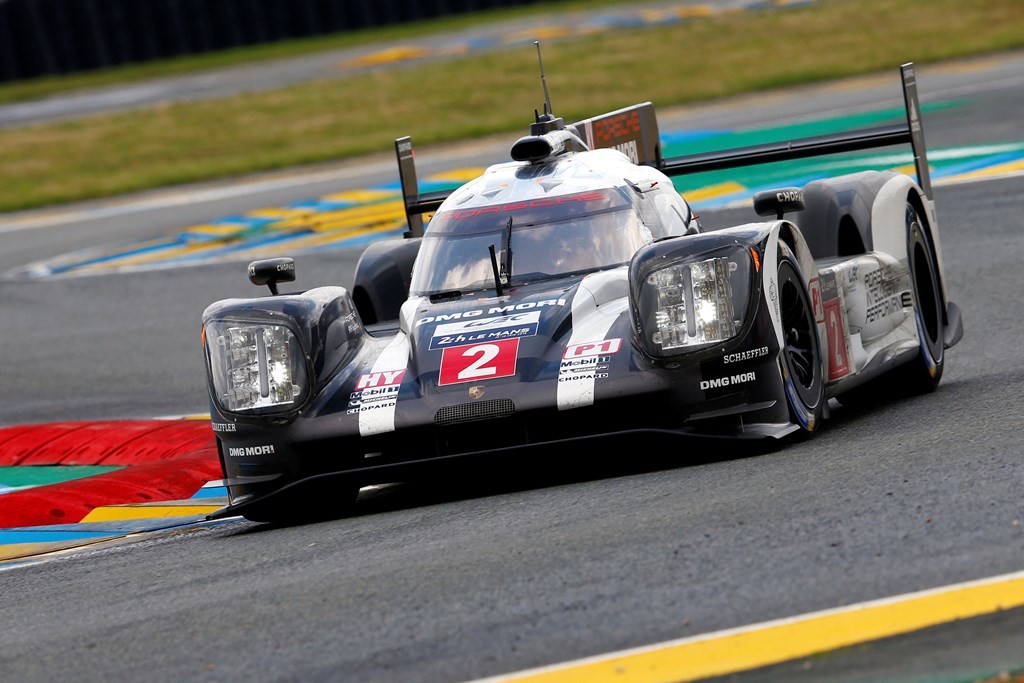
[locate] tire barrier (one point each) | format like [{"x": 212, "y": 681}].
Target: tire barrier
[{"x": 51, "y": 37}]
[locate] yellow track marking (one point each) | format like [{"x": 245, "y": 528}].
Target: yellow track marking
[
  {"x": 459, "y": 175},
  {"x": 1001, "y": 169},
  {"x": 396, "y": 54},
  {"x": 360, "y": 196},
  {"x": 119, "y": 513},
  {"x": 712, "y": 191},
  {"x": 751, "y": 647}
]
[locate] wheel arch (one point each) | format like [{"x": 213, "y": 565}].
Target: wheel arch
[{"x": 382, "y": 277}]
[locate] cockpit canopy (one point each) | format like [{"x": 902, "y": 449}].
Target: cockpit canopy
[{"x": 550, "y": 237}]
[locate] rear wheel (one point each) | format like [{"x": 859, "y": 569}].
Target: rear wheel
[
  {"x": 801, "y": 353},
  {"x": 923, "y": 374}
]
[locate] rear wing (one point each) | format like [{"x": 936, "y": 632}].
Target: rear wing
[{"x": 634, "y": 131}]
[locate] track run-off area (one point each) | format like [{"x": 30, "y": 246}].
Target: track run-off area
[{"x": 886, "y": 547}]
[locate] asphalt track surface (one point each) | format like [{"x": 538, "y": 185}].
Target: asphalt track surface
[{"x": 507, "y": 568}]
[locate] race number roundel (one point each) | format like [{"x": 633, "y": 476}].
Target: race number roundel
[{"x": 476, "y": 362}]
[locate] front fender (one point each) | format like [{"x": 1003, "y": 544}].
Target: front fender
[{"x": 323, "y": 319}]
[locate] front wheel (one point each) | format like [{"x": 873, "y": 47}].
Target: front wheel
[
  {"x": 311, "y": 502},
  {"x": 801, "y": 353}
]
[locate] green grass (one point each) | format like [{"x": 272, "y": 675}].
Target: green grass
[
  {"x": 686, "y": 62},
  {"x": 36, "y": 88}
]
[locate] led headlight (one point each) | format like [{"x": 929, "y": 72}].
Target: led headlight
[
  {"x": 692, "y": 304},
  {"x": 255, "y": 367}
]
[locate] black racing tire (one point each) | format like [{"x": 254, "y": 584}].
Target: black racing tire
[
  {"x": 312, "y": 502},
  {"x": 800, "y": 357},
  {"x": 923, "y": 374}
]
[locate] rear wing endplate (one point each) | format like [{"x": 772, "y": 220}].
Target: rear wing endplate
[{"x": 634, "y": 131}]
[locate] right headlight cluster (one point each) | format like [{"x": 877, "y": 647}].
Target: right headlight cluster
[{"x": 696, "y": 301}]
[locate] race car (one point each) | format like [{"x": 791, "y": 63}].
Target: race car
[{"x": 571, "y": 294}]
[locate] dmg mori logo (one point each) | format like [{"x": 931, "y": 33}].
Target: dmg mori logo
[
  {"x": 741, "y": 378},
  {"x": 250, "y": 450}
]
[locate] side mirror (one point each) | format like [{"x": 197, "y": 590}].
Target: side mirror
[
  {"x": 779, "y": 202},
  {"x": 271, "y": 271}
]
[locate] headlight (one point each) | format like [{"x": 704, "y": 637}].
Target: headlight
[
  {"x": 695, "y": 302},
  {"x": 255, "y": 367}
]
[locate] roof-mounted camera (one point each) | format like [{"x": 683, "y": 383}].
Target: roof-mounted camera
[{"x": 548, "y": 135}]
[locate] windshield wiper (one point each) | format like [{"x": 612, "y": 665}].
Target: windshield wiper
[{"x": 503, "y": 274}]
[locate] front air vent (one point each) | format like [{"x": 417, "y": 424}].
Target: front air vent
[{"x": 471, "y": 412}]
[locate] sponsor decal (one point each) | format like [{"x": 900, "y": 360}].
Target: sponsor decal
[
  {"x": 588, "y": 361},
  {"x": 883, "y": 295},
  {"x": 731, "y": 380},
  {"x": 485, "y": 330},
  {"x": 815, "y": 287},
  {"x": 592, "y": 348},
  {"x": 493, "y": 310},
  {"x": 773, "y": 296},
  {"x": 577, "y": 198},
  {"x": 582, "y": 365},
  {"x": 475, "y": 362},
  {"x": 834, "y": 319},
  {"x": 629, "y": 149},
  {"x": 476, "y": 392},
  {"x": 375, "y": 390},
  {"x": 828, "y": 285},
  {"x": 224, "y": 426},
  {"x": 588, "y": 375},
  {"x": 368, "y": 396},
  {"x": 745, "y": 355},
  {"x": 354, "y": 409},
  {"x": 244, "y": 451},
  {"x": 384, "y": 378},
  {"x": 789, "y": 196}
]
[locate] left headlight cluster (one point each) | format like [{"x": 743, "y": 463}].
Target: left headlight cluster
[
  {"x": 255, "y": 367},
  {"x": 695, "y": 302}
]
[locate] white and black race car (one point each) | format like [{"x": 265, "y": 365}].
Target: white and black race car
[{"x": 571, "y": 294}]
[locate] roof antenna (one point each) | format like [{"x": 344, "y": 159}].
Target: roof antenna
[
  {"x": 544, "y": 82},
  {"x": 547, "y": 121}
]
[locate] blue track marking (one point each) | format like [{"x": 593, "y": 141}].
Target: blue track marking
[{"x": 355, "y": 218}]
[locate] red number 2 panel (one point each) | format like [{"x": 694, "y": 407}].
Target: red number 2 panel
[{"x": 476, "y": 362}]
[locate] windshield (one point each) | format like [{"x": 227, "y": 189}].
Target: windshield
[{"x": 550, "y": 237}]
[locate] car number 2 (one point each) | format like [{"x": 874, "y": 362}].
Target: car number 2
[
  {"x": 475, "y": 362},
  {"x": 839, "y": 364}
]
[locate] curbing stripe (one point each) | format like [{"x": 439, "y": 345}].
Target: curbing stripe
[{"x": 773, "y": 642}]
